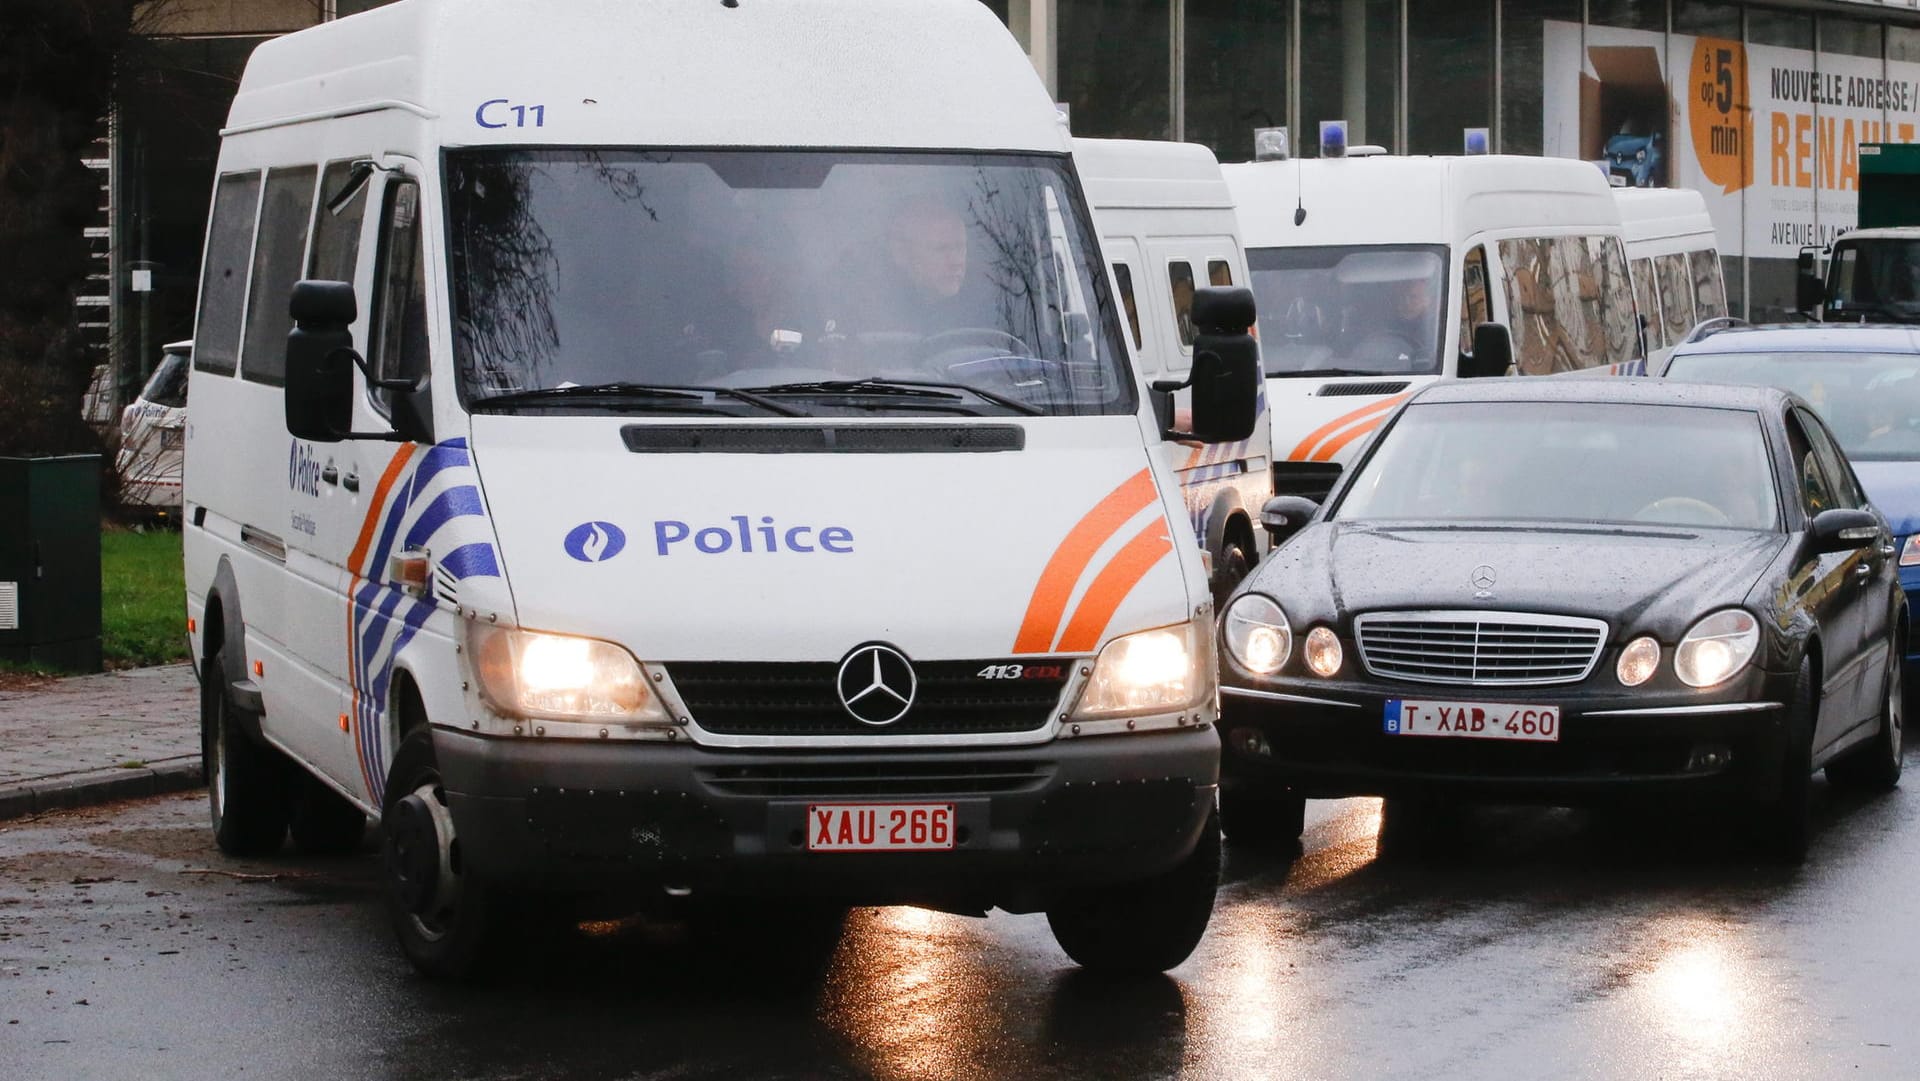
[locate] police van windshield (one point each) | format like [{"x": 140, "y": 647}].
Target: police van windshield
[
  {"x": 1368, "y": 310},
  {"x": 830, "y": 282}
]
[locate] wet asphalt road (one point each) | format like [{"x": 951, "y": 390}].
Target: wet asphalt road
[{"x": 1551, "y": 944}]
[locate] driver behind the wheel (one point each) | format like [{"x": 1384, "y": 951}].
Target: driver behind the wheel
[
  {"x": 1406, "y": 320},
  {"x": 920, "y": 288}
]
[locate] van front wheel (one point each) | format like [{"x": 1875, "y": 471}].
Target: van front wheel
[
  {"x": 246, "y": 779},
  {"x": 1137, "y": 928},
  {"x": 440, "y": 913}
]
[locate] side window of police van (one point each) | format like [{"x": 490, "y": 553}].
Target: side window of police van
[
  {"x": 1123, "y": 279},
  {"x": 398, "y": 349},
  {"x": 1474, "y": 309},
  {"x": 223, "y": 276},
  {"x": 1646, "y": 302},
  {"x": 1815, "y": 493},
  {"x": 1840, "y": 480},
  {"x": 1537, "y": 289},
  {"x": 1676, "y": 294},
  {"x": 1219, "y": 272},
  {"x": 1180, "y": 278},
  {"x": 286, "y": 208},
  {"x": 1709, "y": 289},
  {"x": 336, "y": 225}
]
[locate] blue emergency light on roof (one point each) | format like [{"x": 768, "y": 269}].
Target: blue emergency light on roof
[
  {"x": 1477, "y": 141},
  {"x": 1333, "y": 138}
]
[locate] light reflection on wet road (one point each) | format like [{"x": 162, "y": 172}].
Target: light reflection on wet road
[{"x": 1547, "y": 944}]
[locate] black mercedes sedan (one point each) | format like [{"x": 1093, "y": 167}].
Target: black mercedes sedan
[{"x": 1569, "y": 591}]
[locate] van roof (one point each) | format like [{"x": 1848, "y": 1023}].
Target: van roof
[
  {"x": 1418, "y": 200},
  {"x": 1143, "y": 174},
  {"x": 1654, "y": 213},
  {"x": 826, "y": 73}
]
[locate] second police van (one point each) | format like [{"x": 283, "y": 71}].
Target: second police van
[
  {"x": 687, "y": 470},
  {"x": 1378, "y": 274},
  {"x": 1674, "y": 258}
]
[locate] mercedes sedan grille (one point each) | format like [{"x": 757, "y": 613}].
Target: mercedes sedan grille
[{"x": 1479, "y": 648}]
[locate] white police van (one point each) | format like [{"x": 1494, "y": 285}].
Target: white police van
[
  {"x": 708, "y": 466},
  {"x": 1167, "y": 227},
  {"x": 1378, "y": 274}
]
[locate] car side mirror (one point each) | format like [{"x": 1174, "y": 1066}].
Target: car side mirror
[
  {"x": 1492, "y": 352},
  {"x": 1843, "y": 529},
  {"x": 1225, "y": 378},
  {"x": 320, "y": 358},
  {"x": 1284, "y": 515}
]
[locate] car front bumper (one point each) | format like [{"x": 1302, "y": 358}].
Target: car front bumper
[
  {"x": 1032, "y": 821},
  {"x": 1328, "y": 739}
]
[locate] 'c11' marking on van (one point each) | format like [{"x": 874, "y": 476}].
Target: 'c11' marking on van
[
  {"x": 739, "y": 537},
  {"x": 500, "y": 107},
  {"x": 595, "y": 542}
]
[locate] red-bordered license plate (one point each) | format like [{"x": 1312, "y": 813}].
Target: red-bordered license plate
[
  {"x": 879, "y": 827},
  {"x": 1474, "y": 720}
]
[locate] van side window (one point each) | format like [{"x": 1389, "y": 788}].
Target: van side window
[
  {"x": 400, "y": 303},
  {"x": 1646, "y": 302},
  {"x": 278, "y": 255},
  {"x": 1123, "y": 276},
  {"x": 1571, "y": 302},
  {"x": 1474, "y": 309},
  {"x": 1180, "y": 276},
  {"x": 336, "y": 232},
  {"x": 1219, "y": 273},
  {"x": 1709, "y": 290},
  {"x": 223, "y": 281},
  {"x": 1676, "y": 294}
]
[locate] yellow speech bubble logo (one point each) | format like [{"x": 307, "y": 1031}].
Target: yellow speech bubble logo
[{"x": 1718, "y": 113}]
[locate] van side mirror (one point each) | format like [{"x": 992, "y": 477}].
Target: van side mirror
[
  {"x": 319, "y": 391},
  {"x": 1226, "y": 365},
  {"x": 1284, "y": 515},
  {"x": 1809, "y": 288},
  {"x": 1492, "y": 352}
]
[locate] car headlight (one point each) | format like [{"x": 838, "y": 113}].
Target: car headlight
[
  {"x": 1638, "y": 662},
  {"x": 1323, "y": 652},
  {"x": 1257, "y": 634},
  {"x": 1910, "y": 551},
  {"x": 1156, "y": 671},
  {"x": 1716, "y": 648},
  {"x": 560, "y": 677}
]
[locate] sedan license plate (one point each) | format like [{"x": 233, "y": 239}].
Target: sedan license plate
[
  {"x": 879, "y": 827},
  {"x": 1473, "y": 720}
]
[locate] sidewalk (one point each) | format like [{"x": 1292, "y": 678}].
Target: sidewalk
[{"x": 89, "y": 739}]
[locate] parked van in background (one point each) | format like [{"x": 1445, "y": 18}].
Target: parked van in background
[
  {"x": 1167, "y": 227},
  {"x": 152, "y": 437},
  {"x": 1674, "y": 257},
  {"x": 1376, "y": 275},
  {"x": 717, "y": 514}
]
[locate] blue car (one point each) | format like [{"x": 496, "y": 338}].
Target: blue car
[
  {"x": 1865, "y": 383},
  {"x": 1634, "y": 160}
]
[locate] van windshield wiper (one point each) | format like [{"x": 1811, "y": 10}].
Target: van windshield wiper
[
  {"x": 626, "y": 392},
  {"x": 1311, "y": 373},
  {"x": 928, "y": 390}
]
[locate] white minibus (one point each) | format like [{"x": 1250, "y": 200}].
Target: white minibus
[
  {"x": 688, "y": 452},
  {"x": 1674, "y": 258},
  {"x": 1378, "y": 274},
  {"x": 1167, "y": 227}
]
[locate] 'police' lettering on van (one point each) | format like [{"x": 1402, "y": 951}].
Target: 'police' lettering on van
[{"x": 738, "y": 537}]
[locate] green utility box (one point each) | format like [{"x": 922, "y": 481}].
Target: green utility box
[
  {"x": 1889, "y": 185},
  {"x": 50, "y": 561}
]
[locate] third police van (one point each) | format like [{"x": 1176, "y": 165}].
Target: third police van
[
  {"x": 708, "y": 471},
  {"x": 1377, "y": 274},
  {"x": 1674, "y": 257}
]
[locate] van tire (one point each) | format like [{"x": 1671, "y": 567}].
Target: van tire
[
  {"x": 442, "y": 915},
  {"x": 324, "y": 823},
  {"x": 246, "y": 780},
  {"x": 1140, "y": 928},
  {"x": 1264, "y": 820}
]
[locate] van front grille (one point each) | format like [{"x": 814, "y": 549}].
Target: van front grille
[
  {"x": 800, "y": 698},
  {"x": 1310, "y": 479}
]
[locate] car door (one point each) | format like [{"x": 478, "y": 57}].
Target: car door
[{"x": 1866, "y": 585}]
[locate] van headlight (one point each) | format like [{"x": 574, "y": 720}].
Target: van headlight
[
  {"x": 560, "y": 677},
  {"x": 1257, "y": 634},
  {"x": 1156, "y": 671},
  {"x": 1716, "y": 648}
]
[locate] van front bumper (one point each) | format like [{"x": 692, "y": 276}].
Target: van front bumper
[{"x": 1031, "y": 821}]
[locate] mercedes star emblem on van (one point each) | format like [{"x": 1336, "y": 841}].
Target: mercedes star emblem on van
[
  {"x": 1482, "y": 578},
  {"x": 876, "y": 684}
]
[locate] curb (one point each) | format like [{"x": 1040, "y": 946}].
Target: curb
[{"x": 99, "y": 786}]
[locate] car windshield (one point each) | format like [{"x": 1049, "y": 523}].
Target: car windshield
[
  {"x": 1568, "y": 462},
  {"x": 1870, "y": 400},
  {"x": 790, "y": 272},
  {"x": 168, "y": 384},
  {"x": 1357, "y": 310}
]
